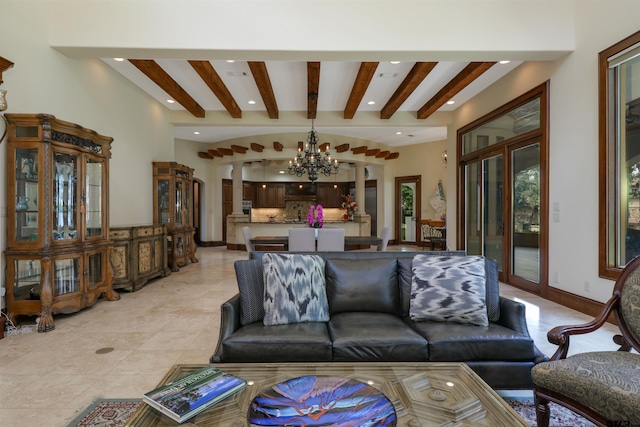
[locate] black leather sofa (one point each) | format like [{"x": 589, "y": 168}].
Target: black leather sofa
[{"x": 501, "y": 353}]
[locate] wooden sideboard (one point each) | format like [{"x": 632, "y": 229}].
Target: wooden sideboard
[{"x": 139, "y": 254}]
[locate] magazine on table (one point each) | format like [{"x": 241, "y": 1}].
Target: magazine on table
[{"x": 193, "y": 393}]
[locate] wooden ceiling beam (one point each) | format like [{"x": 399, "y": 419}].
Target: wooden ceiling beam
[
  {"x": 239, "y": 149},
  {"x": 313, "y": 84},
  {"x": 359, "y": 150},
  {"x": 225, "y": 151},
  {"x": 277, "y": 146},
  {"x": 325, "y": 146},
  {"x": 383, "y": 154},
  {"x": 372, "y": 152},
  {"x": 257, "y": 147},
  {"x": 204, "y": 155},
  {"x": 211, "y": 78},
  {"x": 413, "y": 79},
  {"x": 459, "y": 82},
  {"x": 151, "y": 69},
  {"x": 261, "y": 77},
  {"x": 342, "y": 148},
  {"x": 300, "y": 145},
  {"x": 363, "y": 79},
  {"x": 214, "y": 153},
  {"x": 392, "y": 156}
]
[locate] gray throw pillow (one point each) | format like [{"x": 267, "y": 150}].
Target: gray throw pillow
[
  {"x": 251, "y": 288},
  {"x": 449, "y": 289},
  {"x": 294, "y": 289},
  {"x": 492, "y": 285}
]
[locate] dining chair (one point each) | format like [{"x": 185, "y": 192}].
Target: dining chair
[
  {"x": 302, "y": 239},
  {"x": 331, "y": 239},
  {"x": 384, "y": 235},
  {"x": 246, "y": 232}
]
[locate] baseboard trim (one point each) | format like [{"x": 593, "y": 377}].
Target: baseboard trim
[
  {"x": 576, "y": 302},
  {"x": 235, "y": 247},
  {"x": 211, "y": 244}
]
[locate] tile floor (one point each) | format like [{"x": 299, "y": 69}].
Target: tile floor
[{"x": 122, "y": 349}]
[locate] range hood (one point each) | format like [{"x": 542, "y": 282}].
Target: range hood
[{"x": 296, "y": 191}]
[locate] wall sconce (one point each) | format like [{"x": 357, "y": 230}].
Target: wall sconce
[{"x": 444, "y": 157}]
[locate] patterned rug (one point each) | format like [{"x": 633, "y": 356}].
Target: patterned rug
[{"x": 115, "y": 412}]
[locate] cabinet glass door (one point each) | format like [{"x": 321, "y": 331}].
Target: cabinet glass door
[
  {"x": 26, "y": 279},
  {"x": 179, "y": 203},
  {"x": 186, "y": 207},
  {"x": 162, "y": 199},
  {"x": 26, "y": 204},
  {"x": 95, "y": 262},
  {"x": 65, "y": 182},
  {"x": 66, "y": 276},
  {"x": 93, "y": 198}
]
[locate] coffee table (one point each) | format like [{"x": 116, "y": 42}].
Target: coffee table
[{"x": 423, "y": 394}]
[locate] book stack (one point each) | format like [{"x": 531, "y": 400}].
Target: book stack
[{"x": 193, "y": 393}]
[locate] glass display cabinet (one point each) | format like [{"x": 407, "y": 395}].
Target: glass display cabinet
[
  {"x": 172, "y": 206},
  {"x": 57, "y": 218}
]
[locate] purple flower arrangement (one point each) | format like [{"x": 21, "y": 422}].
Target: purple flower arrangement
[{"x": 314, "y": 217}]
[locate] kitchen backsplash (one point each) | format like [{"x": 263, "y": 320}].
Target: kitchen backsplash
[{"x": 290, "y": 213}]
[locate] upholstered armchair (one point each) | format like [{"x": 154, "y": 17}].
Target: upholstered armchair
[{"x": 602, "y": 386}]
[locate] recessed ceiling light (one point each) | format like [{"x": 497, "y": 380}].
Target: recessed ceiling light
[
  {"x": 230, "y": 60},
  {"x": 371, "y": 102},
  {"x": 196, "y": 133},
  {"x": 170, "y": 101},
  {"x": 118, "y": 59},
  {"x": 398, "y": 133},
  {"x": 252, "y": 102},
  {"x": 504, "y": 62},
  {"x": 280, "y": 171},
  {"x": 451, "y": 102},
  {"x": 394, "y": 62}
]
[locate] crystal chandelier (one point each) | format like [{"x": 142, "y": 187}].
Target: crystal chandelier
[{"x": 311, "y": 160}]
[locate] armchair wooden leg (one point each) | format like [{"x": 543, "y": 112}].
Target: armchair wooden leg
[{"x": 542, "y": 411}]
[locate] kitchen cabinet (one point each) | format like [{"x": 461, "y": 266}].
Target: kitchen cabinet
[
  {"x": 270, "y": 195},
  {"x": 330, "y": 195},
  {"x": 58, "y": 247}
]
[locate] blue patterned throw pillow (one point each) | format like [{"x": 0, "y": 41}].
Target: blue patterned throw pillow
[
  {"x": 448, "y": 289},
  {"x": 294, "y": 289}
]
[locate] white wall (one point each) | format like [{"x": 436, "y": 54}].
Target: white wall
[
  {"x": 87, "y": 92},
  {"x": 573, "y": 242}
]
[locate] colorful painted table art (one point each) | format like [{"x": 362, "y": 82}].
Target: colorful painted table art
[{"x": 321, "y": 401}]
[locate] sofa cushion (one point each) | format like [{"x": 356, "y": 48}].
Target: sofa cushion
[
  {"x": 448, "y": 289},
  {"x": 251, "y": 289},
  {"x": 296, "y": 342},
  {"x": 369, "y": 337},
  {"x": 363, "y": 285},
  {"x": 294, "y": 289},
  {"x": 492, "y": 286},
  {"x": 454, "y": 342}
]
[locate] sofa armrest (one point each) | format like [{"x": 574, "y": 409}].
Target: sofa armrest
[
  {"x": 513, "y": 315},
  {"x": 229, "y": 323}
]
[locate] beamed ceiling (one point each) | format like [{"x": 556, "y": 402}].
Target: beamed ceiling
[{"x": 390, "y": 103}]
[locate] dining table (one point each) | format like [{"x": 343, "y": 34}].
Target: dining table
[{"x": 283, "y": 241}]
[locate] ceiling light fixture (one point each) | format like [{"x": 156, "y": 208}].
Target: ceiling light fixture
[
  {"x": 118, "y": 59},
  {"x": 394, "y": 62},
  {"x": 398, "y": 133},
  {"x": 451, "y": 102},
  {"x": 196, "y": 133},
  {"x": 170, "y": 101},
  {"x": 252, "y": 102},
  {"x": 311, "y": 161},
  {"x": 504, "y": 62},
  {"x": 371, "y": 102}
]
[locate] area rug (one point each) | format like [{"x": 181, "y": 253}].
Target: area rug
[{"x": 115, "y": 412}]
